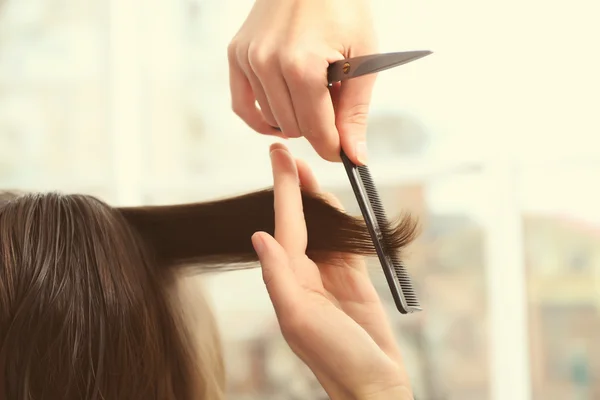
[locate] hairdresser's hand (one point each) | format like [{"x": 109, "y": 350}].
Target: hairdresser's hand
[
  {"x": 330, "y": 315},
  {"x": 280, "y": 57}
]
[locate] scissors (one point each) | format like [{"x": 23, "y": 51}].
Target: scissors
[{"x": 356, "y": 66}]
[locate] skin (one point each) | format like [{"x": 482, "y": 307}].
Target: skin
[
  {"x": 329, "y": 314},
  {"x": 279, "y": 59}
]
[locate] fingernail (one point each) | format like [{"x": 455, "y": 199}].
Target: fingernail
[
  {"x": 258, "y": 244},
  {"x": 361, "y": 152},
  {"x": 290, "y": 160},
  {"x": 273, "y": 151}
]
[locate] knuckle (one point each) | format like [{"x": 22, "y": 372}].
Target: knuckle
[
  {"x": 294, "y": 66},
  {"x": 232, "y": 50},
  {"x": 238, "y": 108},
  {"x": 358, "y": 114},
  {"x": 260, "y": 57}
]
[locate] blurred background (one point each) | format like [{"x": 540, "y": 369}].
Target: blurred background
[{"x": 492, "y": 141}]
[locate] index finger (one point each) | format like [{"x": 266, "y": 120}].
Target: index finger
[{"x": 290, "y": 226}]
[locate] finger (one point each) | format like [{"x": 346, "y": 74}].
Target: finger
[
  {"x": 243, "y": 102},
  {"x": 266, "y": 68},
  {"x": 308, "y": 181},
  {"x": 278, "y": 277},
  {"x": 351, "y": 118},
  {"x": 283, "y": 109},
  {"x": 260, "y": 95},
  {"x": 312, "y": 104},
  {"x": 290, "y": 227}
]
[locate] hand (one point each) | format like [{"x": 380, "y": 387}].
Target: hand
[
  {"x": 330, "y": 314},
  {"x": 279, "y": 58}
]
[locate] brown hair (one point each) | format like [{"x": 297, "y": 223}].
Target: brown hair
[{"x": 89, "y": 294}]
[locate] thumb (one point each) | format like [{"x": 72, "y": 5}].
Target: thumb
[
  {"x": 352, "y": 115},
  {"x": 278, "y": 276}
]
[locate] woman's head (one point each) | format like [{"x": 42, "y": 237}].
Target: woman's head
[
  {"x": 92, "y": 299},
  {"x": 85, "y": 312}
]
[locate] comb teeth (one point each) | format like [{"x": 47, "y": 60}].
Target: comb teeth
[
  {"x": 400, "y": 272},
  {"x": 407, "y": 287},
  {"x": 369, "y": 185}
]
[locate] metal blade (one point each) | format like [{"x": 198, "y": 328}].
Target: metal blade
[{"x": 363, "y": 65}]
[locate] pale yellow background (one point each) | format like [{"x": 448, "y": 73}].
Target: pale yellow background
[{"x": 492, "y": 141}]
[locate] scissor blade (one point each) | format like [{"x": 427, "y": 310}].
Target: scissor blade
[{"x": 363, "y": 65}]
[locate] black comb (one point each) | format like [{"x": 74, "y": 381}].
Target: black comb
[
  {"x": 372, "y": 210},
  {"x": 364, "y": 187}
]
